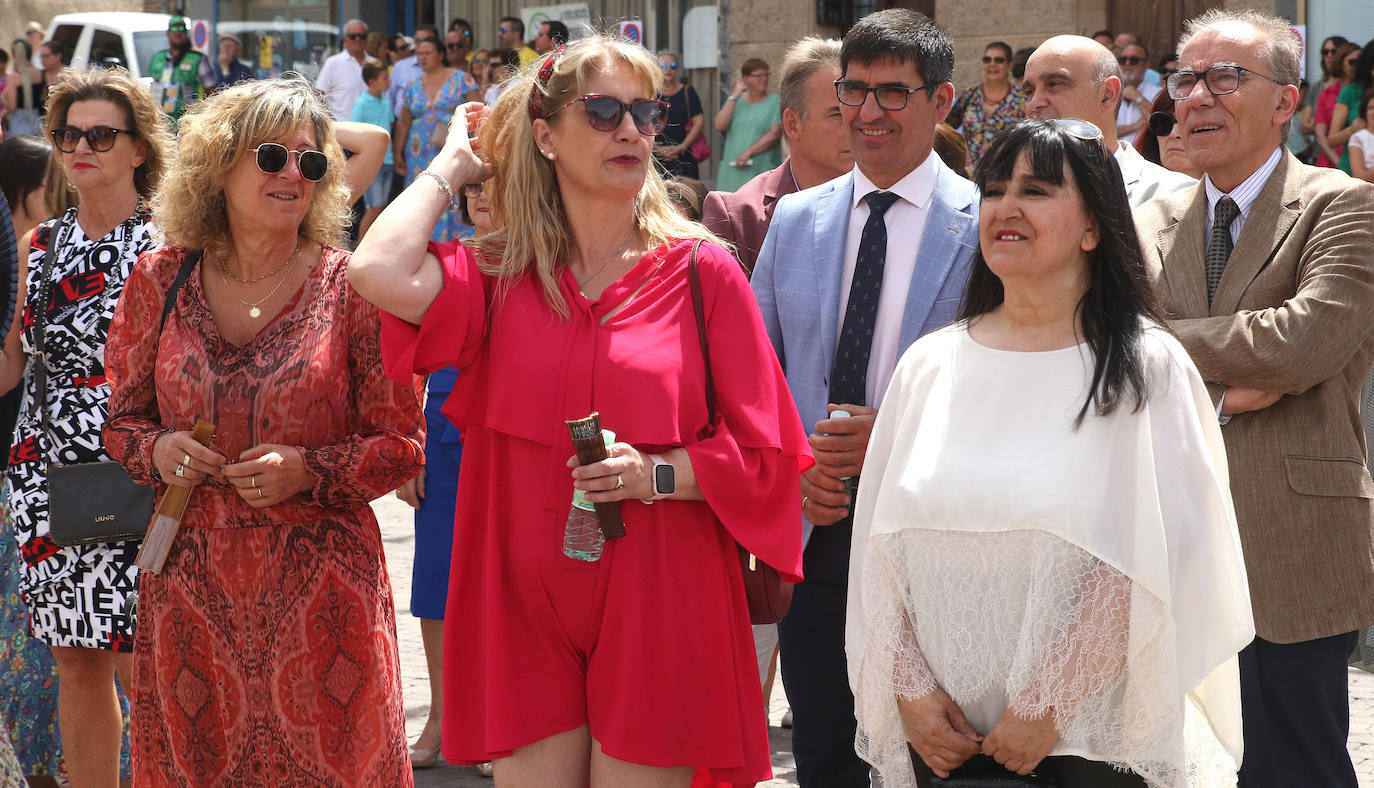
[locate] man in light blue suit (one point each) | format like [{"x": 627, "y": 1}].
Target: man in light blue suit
[{"x": 850, "y": 274}]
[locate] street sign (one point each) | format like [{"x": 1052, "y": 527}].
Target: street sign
[{"x": 632, "y": 30}]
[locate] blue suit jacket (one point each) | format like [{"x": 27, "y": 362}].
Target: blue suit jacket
[{"x": 797, "y": 279}]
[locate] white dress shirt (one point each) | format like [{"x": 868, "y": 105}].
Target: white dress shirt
[
  {"x": 1244, "y": 196},
  {"x": 1129, "y": 112},
  {"x": 341, "y": 82},
  {"x": 403, "y": 72},
  {"x": 906, "y": 223}
]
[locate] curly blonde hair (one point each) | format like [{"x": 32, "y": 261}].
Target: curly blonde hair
[
  {"x": 141, "y": 116},
  {"x": 532, "y": 235},
  {"x": 218, "y": 132}
]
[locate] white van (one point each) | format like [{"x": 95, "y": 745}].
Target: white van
[{"x": 111, "y": 38}]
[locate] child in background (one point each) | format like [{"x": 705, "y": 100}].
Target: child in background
[{"x": 373, "y": 107}]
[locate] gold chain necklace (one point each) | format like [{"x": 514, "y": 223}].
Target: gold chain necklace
[
  {"x": 225, "y": 269},
  {"x": 253, "y": 310},
  {"x": 582, "y": 284}
]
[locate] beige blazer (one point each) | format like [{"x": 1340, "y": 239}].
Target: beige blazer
[{"x": 1294, "y": 314}]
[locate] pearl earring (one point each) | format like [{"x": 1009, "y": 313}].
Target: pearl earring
[{"x": 549, "y": 154}]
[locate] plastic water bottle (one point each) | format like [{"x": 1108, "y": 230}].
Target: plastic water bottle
[
  {"x": 582, "y": 537},
  {"x": 851, "y": 487}
]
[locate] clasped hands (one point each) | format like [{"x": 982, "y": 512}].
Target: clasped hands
[
  {"x": 839, "y": 446},
  {"x": 264, "y": 475},
  {"x": 944, "y": 739}
]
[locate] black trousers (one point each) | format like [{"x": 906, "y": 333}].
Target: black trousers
[
  {"x": 811, "y": 641},
  {"x": 1295, "y": 705},
  {"x": 1059, "y": 771}
]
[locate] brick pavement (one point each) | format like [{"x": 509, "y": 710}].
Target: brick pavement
[{"x": 398, "y": 537}]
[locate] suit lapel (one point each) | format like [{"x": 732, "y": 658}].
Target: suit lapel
[
  {"x": 831, "y": 229},
  {"x": 940, "y": 246},
  {"x": 1181, "y": 245},
  {"x": 1271, "y": 217}
]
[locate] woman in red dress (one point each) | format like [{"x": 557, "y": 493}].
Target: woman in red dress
[
  {"x": 635, "y": 668},
  {"x": 266, "y": 647}
]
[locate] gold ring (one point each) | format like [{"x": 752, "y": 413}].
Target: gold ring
[
  {"x": 619, "y": 482},
  {"x": 254, "y": 480},
  {"x": 804, "y": 500},
  {"x": 181, "y": 471},
  {"x": 259, "y": 489}
]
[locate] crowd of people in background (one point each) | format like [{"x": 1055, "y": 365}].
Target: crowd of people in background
[{"x": 1045, "y": 393}]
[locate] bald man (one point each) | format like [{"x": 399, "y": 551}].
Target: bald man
[{"x": 1076, "y": 77}]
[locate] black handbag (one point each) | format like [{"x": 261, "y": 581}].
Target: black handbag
[{"x": 90, "y": 501}]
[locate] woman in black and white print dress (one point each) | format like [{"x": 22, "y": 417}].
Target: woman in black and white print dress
[{"x": 112, "y": 142}]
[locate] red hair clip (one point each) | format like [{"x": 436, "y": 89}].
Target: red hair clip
[{"x": 542, "y": 80}]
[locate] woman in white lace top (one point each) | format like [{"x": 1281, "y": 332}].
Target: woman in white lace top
[{"x": 1047, "y": 578}]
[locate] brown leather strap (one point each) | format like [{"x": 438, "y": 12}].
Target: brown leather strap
[{"x": 700, "y": 309}]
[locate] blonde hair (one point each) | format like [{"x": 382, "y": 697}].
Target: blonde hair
[
  {"x": 142, "y": 116},
  {"x": 532, "y": 236},
  {"x": 218, "y": 132}
]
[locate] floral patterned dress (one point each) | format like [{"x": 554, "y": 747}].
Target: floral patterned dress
[
  {"x": 979, "y": 124},
  {"x": 428, "y": 130},
  {"x": 266, "y": 650}
]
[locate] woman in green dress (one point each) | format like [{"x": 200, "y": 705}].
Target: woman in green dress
[{"x": 752, "y": 122}]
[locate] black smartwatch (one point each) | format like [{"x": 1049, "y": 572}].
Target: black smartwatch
[{"x": 664, "y": 478}]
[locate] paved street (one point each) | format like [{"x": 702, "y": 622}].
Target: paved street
[{"x": 398, "y": 535}]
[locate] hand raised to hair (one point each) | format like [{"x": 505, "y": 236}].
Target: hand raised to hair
[{"x": 457, "y": 160}]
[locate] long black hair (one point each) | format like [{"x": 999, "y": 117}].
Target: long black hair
[
  {"x": 1118, "y": 301},
  {"x": 23, "y": 166}
]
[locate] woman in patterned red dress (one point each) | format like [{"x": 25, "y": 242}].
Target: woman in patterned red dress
[
  {"x": 634, "y": 668},
  {"x": 266, "y": 647}
]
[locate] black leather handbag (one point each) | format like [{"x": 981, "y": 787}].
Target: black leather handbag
[{"x": 90, "y": 501}]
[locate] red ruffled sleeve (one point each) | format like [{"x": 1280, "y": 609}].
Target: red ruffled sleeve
[
  {"x": 749, "y": 468},
  {"x": 454, "y": 326}
]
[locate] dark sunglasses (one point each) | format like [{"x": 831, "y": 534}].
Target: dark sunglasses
[
  {"x": 999, "y": 59},
  {"x": 1328, "y": 51},
  {"x": 503, "y": 30},
  {"x": 1130, "y": 60},
  {"x": 457, "y": 45},
  {"x": 100, "y": 138},
  {"x": 605, "y": 113},
  {"x": 355, "y": 36},
  {"x": 472, "y": 189},
  {"x": 272, "y": 159},
  {"x": 1161, "y": 124}
]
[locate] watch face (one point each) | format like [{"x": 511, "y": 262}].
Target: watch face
[{"x": 665, "y": 482}]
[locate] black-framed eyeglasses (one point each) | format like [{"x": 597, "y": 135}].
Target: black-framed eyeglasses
[
  {"x": 355, "y": 36},
  {"x": 1221, "y": 80},
  {"x": 998, "y": 59},
  {"x": 1130, "y": 60},
  {"x": 1162, "y": 123},
  {"x": 100, "y": 138},
  {"x": 1078, "y": 129},
  {"x": 604, "y": 113},
  {"x": 273, "y": 156},
  {"x": 853, "y": 93}
]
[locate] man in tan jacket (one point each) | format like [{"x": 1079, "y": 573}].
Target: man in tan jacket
[{"x": 1268, "y": 271}]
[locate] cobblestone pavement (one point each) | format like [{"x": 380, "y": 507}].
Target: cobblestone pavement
[{"x": 398, "y": 536}]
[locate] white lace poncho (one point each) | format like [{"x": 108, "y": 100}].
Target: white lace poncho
[{"x": 1016, "y": 562}]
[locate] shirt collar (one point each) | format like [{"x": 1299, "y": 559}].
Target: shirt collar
[
  {"x": 916, "y": 187},
  {"x": 1244, "y": 195}
]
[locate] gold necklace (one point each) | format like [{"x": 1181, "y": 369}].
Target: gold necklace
[
  {"x": 225, "y": 269},
  {"x": 253, "y": 310},
  {"x": 582, "y": 284}
]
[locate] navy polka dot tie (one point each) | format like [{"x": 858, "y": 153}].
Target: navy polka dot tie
[{"x": 849, "y": 372}]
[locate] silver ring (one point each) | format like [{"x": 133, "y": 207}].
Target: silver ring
[
  {"x": 181, "y": 471},
  {"x": 186, "y": 460},
  {"x": 259, "y": 489}
]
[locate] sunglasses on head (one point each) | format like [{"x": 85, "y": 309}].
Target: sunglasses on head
[
  {"x": 1161, "y": 123},
  {"x": 1130, "y": 60},
  {"x": 100, "y": 138},
  {"x": 999, "y": 59},
  {"x": 355, "y": 36},
  {"x": 272, "y": 159},
  {"x": 604, "y": 113}
]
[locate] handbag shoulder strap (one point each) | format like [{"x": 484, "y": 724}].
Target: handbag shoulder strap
[
  {"x": 187, "y": 266},
  {"x": 40, "y": 316},
  {"x": 699, "y": 308}
]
